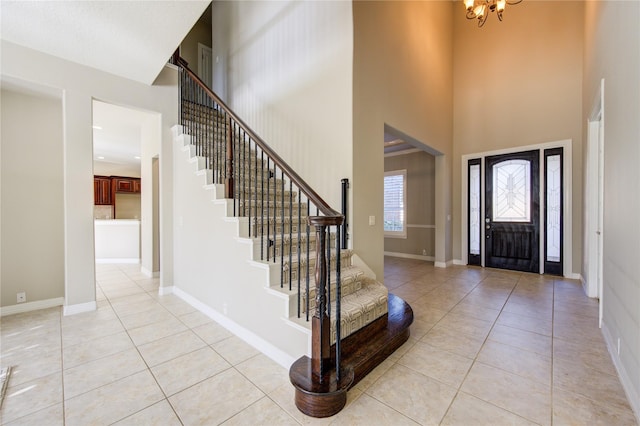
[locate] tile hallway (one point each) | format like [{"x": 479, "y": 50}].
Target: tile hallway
[{"x": 487, "y": 347}]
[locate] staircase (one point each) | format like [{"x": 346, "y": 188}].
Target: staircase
[{"x": 296, "y": 288}]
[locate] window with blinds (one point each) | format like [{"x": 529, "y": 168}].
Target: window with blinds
[{"x": 395, "y": 201}]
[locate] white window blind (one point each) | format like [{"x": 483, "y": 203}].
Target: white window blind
[{"x": 395, "y": 201}]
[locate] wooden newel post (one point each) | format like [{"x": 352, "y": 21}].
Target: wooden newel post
[
  {"x": 320, "y": 325},
  {"x": 228, "y": 183}
]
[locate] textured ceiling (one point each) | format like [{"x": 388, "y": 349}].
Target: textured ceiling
[{"x": 131, "y": 39}]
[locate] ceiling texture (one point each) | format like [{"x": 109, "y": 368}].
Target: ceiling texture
[{"x": 131, "y": 39}]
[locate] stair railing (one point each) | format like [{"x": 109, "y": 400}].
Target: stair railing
[{"x": 279, "y": 213}]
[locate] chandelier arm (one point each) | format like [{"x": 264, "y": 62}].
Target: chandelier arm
[
  {"x": 471, "y": 15},
  {"x": 514, "y": 1}
]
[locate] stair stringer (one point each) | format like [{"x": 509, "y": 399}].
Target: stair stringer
[{"x": 214, "y": 268}]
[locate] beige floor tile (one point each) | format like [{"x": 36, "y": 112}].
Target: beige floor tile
[
  {"x": 585, "y": 354},
  {"x": 175, "y": 305},
  {"x": 461, "y": 344},
  {"x": 400, "y": 386},
  {"x": 30, "y": 397},
  {"x": 532, "y": 309},
  {"x": 398, "y": 353},
  {"x": 522, "y": 339},
  {"x": 367, "y": 411},
  {"x": 113, "y": 402},
  {"x": 95, "y": 349},
  {"x": 533, "y": 324},
  {"x": 469, "y": 410},
  {"x": 160, "y": 413},
  {"x": 134, "y": 304},
  {"x": 436, "y": 363},
  {"x": 31, "y": 364},
  {"x": 521, "y": 396},
  {"x": 170, "y": 347},
  {"x": 216, "y": 399},
  {"x": 90, "y": 330},
  {"x": 461, "y": 323},
  {"x": 152, "y": 332},
  {"x": 471, "y": 310},
  {"x": 150, "y": 285},
  {"x": 195, "y": 319},
  {"x": 374, "y": 375},
  {"x": 427, "y": 313},
  {"x": 263, "y": 412},
  {"x": 21, "y": 341},
  {"x": 517, "y": 361},
  {"x": 420, "y": 328},
  {"x": 50, "y": 416},
  {"x": 124, "y": 292},
  {"x": 150, "y": 316},
  {"x": 590, "y": 383},
  {"x": 103, "y": 371},
  {"x": 572, "y": 409},
  {"x": 263, "y": 372},
  {"x": 212, "y": 333},
  {"x": 187, "y": 370},
  {"x": 235, "y": 350}
]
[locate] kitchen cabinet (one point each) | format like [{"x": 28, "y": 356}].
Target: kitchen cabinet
[
  {"x": 102, "y": 191},
  {"x": 126, "y": 184}
]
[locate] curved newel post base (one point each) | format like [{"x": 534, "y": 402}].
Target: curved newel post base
[{"x": 315, "y": 398}]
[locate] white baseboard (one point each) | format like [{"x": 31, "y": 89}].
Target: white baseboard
[
  {"x": 446, "y": 264},
  {"x": 163, "y": 291},
  {"x": 574, "y": 276},
  {"x": 459, "y": 262},
  {"x": 80, "y": 308},
  {"x": 257, "y": 342},
  {"x": 149, "y": 273},
  {"x": 409, "y": 256},
  {"x": 31, "y": 306},
  {"x": 633, "y": 394},
  {"x": 116, "y": 260}
]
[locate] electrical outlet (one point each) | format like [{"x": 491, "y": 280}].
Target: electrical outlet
[
  {"x": 21, "y": 297},
  {"x": 372, "y": 220}
]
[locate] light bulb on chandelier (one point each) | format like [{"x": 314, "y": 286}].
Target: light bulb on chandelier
[{"x": 479, "y": 9}]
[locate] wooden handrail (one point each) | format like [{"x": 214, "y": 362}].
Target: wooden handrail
[{"x": 295, "y": 178}]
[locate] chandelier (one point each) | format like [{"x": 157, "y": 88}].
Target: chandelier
[{"x": 480, "y": 8}]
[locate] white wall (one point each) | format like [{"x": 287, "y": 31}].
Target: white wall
[
  {"x": 31, "y": 234},
  {"x": 80, "y": 85},
  {"x": 289, "y": 76},
  {"x": 103, "y": 168},
  {"x": 612, "y": 52}
]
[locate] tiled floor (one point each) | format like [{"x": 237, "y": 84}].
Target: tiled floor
[{"x": 487, "y": 347}]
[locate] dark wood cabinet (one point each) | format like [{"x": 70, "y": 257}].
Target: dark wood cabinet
[
  {"x": 106, "y": 187},
  {"x": 102, "y": 191},
  {"x": 126, "y": 184}
]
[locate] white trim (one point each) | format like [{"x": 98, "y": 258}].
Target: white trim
[
  {"x": 118, "y": 260},
  {"x": 446, "y": 264},
  {"x": 31, "y": 306},
  {"x": 627, "y": 384},
  {"x": 410, "y": 256},
  {"x": 163, "y": 291},
  {"x": 405, "y": 152},
  {"x": 567, "y": 181},
  {"x": 422, "y": 226},
  {"x": 249, "y": 337},
  {"x": 149, "y": 273},
  {"x": 459, "y": 262},
  {"x": 79, "y": 308}
]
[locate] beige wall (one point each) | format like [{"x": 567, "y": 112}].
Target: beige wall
[
  {"x": 200, "y": 33},
  {"x": 289, "y": 76},
  {"x": 420, "y": 208},
  {"x": 519, "y": 82},
  {"x": 32, "y": 198},
  {"x": 103, "y": 168},
  {"x": 402, "y": 77},
  {"x": 612, "y": 52}
]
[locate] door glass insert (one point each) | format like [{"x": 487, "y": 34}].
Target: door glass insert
[
  {"x": 554, "y": 207},
  {"x": 474, "y": 209},
  {"x": 512, "y": 191}
]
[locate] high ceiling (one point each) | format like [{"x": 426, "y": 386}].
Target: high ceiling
[{"x": 131, "y": 39}]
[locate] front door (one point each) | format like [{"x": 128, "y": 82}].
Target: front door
[{"x": 512, "y": 211}]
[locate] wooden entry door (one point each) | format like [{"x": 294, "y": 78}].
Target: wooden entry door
[{"x": 512, "y": 211}]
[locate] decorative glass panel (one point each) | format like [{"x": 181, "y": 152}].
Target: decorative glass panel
[
  {"x": 474, "y": 209},
  {"x": 512, "y": 191},
  {"x": 554, "y": 202},
  {"x": 394, "y": 202}
]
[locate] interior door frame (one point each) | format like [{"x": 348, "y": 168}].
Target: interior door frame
[
  {"x": 594, "y": 193},
  {"x": 567, "y": 196}
]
